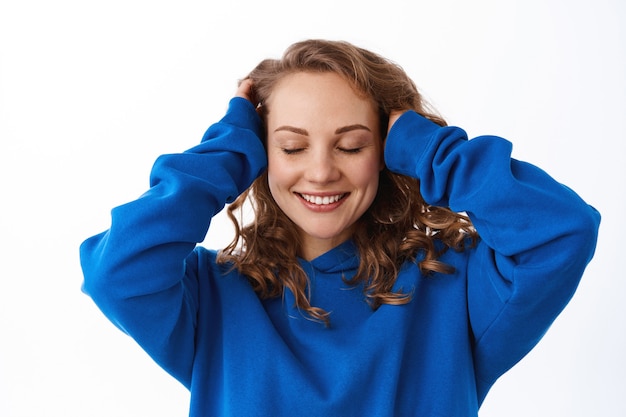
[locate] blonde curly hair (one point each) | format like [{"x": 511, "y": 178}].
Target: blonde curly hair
[{"x": 398, "y": 225}]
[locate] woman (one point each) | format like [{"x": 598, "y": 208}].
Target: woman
[{"x": 358, "y": 289}]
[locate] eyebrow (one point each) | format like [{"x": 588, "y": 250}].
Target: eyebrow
[{"x": 340, "y": 130}]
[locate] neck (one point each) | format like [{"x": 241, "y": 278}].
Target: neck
[{"x": 313, "y": 248}]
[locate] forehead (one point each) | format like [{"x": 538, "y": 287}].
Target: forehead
[{"x": 307, "y": 96}]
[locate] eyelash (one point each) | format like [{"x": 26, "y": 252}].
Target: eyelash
[
  {"x": 344, "y": 150},
  {"x": 351, "y": 150},
  {"x": 292, "y": 151}
]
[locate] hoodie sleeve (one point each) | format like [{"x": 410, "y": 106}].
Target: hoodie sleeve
[
  {"x": 536, "y": 235},
  {"x": 136, "y": 272}
]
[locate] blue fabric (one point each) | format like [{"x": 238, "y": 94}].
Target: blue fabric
[{"x": 435, "y": 356}]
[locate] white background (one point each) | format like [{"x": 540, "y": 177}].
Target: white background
[{"x": 91, "y": 92}]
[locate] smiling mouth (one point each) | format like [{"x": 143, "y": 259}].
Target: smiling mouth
[{"x": 322, "y": 200}]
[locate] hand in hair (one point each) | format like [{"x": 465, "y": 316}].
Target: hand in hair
[
  {"x": 393, "y": 116},
  {"x": 246, "y": 90}
]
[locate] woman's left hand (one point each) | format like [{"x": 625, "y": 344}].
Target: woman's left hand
[{"x": 393, "y": 116}]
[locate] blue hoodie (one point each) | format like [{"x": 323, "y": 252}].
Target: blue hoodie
[{"x": 438, "y": 355}]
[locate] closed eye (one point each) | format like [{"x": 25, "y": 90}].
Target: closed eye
[
  {"x": 350, "y": 150},
  {"x": 292, "y": 151}
]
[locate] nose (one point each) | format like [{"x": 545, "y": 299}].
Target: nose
[{"x": 322, "y": 167}]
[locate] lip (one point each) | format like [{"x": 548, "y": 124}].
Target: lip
[{"x": 322, "y": 202}]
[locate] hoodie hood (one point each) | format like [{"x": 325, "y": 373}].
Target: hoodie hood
[{"x": 342, "y": 258}]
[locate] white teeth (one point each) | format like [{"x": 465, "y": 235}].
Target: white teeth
[{"x": 322, "y": 200}]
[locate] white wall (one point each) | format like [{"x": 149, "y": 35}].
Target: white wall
[{"x": 91, "y": 92}]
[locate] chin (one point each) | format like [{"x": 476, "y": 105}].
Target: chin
[{"x": 337, "y": 236}]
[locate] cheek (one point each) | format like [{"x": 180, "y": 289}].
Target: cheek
[
  {"x": 367, "y": 174},
  {"x": 279, "y": 174}
]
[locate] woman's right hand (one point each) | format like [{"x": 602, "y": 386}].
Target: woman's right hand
[{"x": 245, "y": 90}]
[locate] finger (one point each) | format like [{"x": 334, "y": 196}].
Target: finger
[
  {"x": 245, "y": 90},
  {"x": 393, "y": 117}
]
